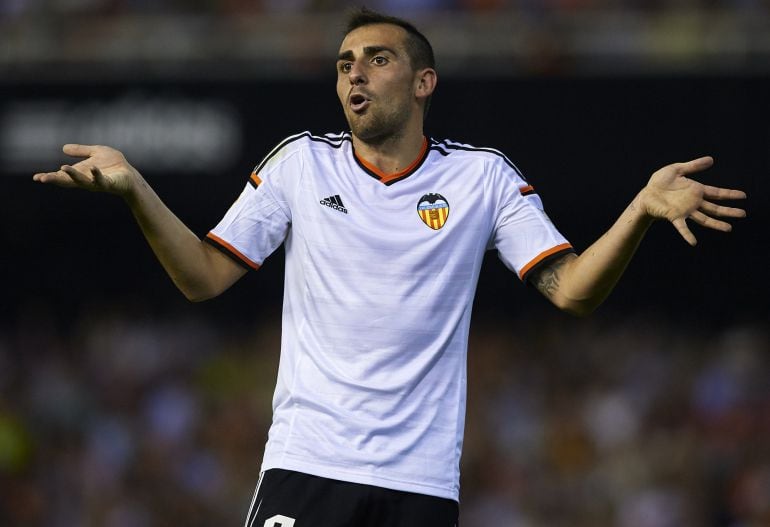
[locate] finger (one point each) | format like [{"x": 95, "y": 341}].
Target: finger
[
  {"x": 59, "y": 178},
  {"x": 98, "y": 177},
  {"x": 696, "y": 165},
  {"x": 722, "y": 193},
  {"x": 684, "y": 231},
  {"x": 76, "y": 150},
  {"x": 77, "y": 176},
  {"x": 709, "y": 222},
  {"x": 721, "y": 211}
]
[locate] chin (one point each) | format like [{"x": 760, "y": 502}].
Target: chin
[
  {"x": 371, "y": 133},
  {"x": 371, "y": 137}
]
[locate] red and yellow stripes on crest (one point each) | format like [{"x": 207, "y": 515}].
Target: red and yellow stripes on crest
[{"x": 434, "y": 218}]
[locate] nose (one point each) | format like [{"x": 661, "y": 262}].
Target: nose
[{"x": 356, "y": 75}]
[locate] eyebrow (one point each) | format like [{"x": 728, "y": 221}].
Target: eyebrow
[{"x": 368, "y": 51}]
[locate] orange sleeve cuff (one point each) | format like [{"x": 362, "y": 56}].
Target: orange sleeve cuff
[
  {"x": 230, "y": 251},
  {"x": 542, "y": 257}
]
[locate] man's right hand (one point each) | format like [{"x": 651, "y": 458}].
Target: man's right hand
[
  {"x": 199, "y": 270},
  {"x": 104, "y": 169}
]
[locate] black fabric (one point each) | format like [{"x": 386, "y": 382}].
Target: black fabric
[{"x": 292, "y": 499}]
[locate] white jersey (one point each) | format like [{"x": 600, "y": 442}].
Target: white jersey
[{"x": 381, "y": 272}]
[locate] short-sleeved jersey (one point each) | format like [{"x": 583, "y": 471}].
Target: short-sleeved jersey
[{"x": 381, "y": 271}]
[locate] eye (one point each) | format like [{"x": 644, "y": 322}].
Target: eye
[
  {"x": 379, "y": 60},
  {"x": 345, "y": 67}
]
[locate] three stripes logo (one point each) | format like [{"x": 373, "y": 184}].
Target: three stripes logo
[
  {"x": 433, "y": 210},
  {"x": 334, "y": 202}
]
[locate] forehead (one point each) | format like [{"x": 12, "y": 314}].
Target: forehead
[{"x": 387, "y": 35}]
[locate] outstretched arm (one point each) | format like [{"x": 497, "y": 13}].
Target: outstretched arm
[
  {"x": 197, "y": 269},
  {"x": 579, "y": 284}
]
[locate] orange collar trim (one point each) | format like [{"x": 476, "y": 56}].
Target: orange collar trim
[{"x": 387, "y": 178}]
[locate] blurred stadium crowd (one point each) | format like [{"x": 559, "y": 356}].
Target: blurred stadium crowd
[
  {"x": 282, "y": 38},
  {"x": 240, "y": 6},
  {"x": 130, "y": 421}
]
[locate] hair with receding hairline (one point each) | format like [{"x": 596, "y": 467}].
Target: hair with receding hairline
[{"x": 418, "y": 47}]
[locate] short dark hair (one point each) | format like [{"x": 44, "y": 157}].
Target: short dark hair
[{"x": 418, "y": 47}]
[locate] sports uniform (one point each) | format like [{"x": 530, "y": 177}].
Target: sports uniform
[{"x": 381, "y": 271}]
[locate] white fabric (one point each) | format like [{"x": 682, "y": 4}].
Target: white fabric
[{"x": 372, "y": 378}]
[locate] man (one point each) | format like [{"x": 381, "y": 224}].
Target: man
[{"x": 384, "y": 232}]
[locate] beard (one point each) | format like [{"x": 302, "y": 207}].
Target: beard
[{"x": 376, "y": 126}]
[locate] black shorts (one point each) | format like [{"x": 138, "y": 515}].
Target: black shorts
[{"x": 292, "y": 499}]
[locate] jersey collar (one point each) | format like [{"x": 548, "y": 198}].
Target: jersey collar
[{"x": 389, "y": 179}]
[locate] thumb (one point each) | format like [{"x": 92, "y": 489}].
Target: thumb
[
  {"x": 78, "y": 150},
  {"x": 696, "y": 165}
]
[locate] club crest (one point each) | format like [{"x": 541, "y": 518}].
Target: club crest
[{"x": 433, "y": 210}]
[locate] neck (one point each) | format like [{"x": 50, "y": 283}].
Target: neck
[{"x": 392, "y": 154}]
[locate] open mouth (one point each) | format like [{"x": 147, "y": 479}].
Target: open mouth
[{"x": 358, "y": 102}]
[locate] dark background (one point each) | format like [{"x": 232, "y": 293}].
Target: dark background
[{"x": 587, "y": 144}]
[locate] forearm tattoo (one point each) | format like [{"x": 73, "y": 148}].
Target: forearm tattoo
[{"x": 547, "y": 279}]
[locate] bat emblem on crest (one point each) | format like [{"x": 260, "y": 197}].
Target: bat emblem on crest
[{"x": 433, "y": 210}]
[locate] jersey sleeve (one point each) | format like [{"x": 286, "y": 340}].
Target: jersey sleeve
[
  {"x": 524, "y": 235},
  {"x": 259, "y": 220}
]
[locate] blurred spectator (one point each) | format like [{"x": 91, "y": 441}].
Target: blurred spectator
[{"x": 128, "y": 422}]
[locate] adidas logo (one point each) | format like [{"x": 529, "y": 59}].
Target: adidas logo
[{"x": 334, "y": 202}]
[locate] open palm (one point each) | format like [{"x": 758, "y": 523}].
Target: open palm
[
  {"x": 104, "y": 169},
  {"x": 673, "y": 196}
]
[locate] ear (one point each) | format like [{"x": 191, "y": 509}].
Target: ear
[{"x": 425, "y": 83}]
